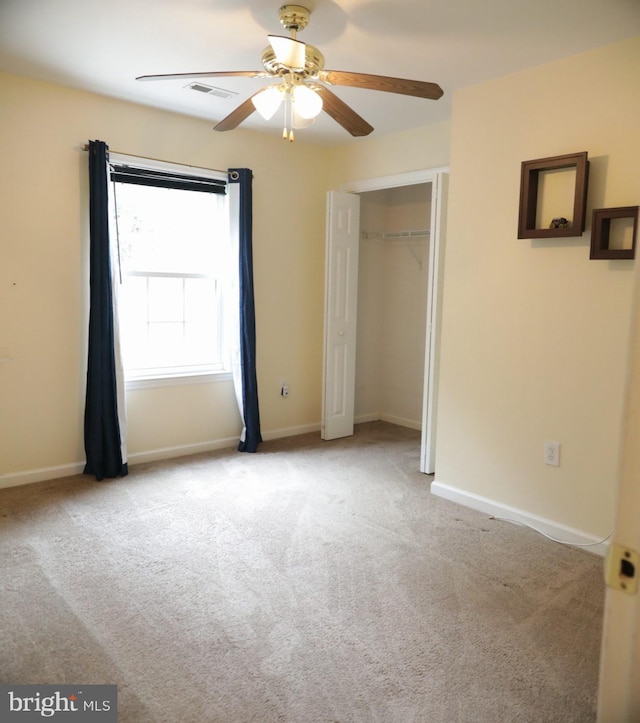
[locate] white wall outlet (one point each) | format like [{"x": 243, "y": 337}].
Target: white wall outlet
[
  {"x": 552, "y": 453},
  {"x": 284, "y": 389}
]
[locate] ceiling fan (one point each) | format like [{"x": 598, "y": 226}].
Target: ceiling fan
[{"x": 302, "y": 83}]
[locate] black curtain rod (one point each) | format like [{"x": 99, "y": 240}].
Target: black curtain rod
[{"x": 160, "y": 160}]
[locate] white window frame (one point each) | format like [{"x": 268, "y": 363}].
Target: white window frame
[{"x": 162, "y": 377}]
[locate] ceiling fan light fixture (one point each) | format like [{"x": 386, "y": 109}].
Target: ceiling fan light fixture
[
  {"x": 301, "y": 80},
  {"x": 289, "y": 51},
  {"x": 297, "y": 121},
  {"x": 267, "y": 101},
  {"x": 307, "y": 103}
]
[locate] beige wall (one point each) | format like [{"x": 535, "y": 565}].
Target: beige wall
[
  {"x": 375, "y": 157},
  {"x": 44, "y": 271},
  {"x": 535, "y": 335}
]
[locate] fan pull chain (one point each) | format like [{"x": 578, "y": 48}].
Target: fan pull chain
[
  {"x": 286, "y": 105},
  {"x": 291, "y": 139},
  {"x": 287, "y": 132}
]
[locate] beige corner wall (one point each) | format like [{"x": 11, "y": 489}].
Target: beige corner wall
[
  {"x": 44, "y": 271},
  {"x": 535, "y": 335},
  {"x": 376, "y": 157}
]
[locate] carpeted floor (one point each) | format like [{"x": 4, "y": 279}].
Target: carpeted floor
[{"x": 311, "y": 582}]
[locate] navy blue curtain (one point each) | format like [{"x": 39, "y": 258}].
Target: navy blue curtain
[
  {"x": 251, "y": 413},
  {"x": 102, "y": 440}
]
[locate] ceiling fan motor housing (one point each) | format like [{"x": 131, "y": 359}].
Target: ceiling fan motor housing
[
  {"x": 313, "y": 62},
  {"x": 294, "y": 17}
]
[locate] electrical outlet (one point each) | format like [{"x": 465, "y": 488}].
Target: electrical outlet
[
  {"x": 552, "y": 453},
  {"x": 284, "y": 390}
]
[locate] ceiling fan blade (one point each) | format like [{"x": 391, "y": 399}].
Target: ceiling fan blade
[
  {"x": 342, "y": 114},
  {"x": 212, "y": 74},
  {"x": 418, "y": 88},
  {"x": 241, "y": 113}
]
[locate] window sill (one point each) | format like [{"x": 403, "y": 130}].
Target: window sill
[{"x": 173, "y": 380}]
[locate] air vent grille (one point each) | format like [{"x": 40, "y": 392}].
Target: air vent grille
[{"x": 211, "y": 90}]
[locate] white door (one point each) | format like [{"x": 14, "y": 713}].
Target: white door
[
  {"x": 432, "y": 345},
  {"x": 619, "y": 693},
  {"x": 341, "y": 297}
]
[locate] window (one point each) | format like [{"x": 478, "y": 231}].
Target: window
[{"x": 171, "y": 227}]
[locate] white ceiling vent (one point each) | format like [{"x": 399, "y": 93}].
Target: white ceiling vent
[{"x": 211, "y": 90}]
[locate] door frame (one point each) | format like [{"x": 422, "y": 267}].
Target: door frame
[{"x": 410, "y": 178}]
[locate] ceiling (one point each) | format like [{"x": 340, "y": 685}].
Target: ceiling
[{"x": 102, "y": 45}]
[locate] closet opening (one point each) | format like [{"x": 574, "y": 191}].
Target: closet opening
[
  {"x": 383, "y": 288},
  {"x": 393, "y": 286}
]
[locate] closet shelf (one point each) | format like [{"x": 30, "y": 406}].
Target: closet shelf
[{"x": 412, "y": 233}]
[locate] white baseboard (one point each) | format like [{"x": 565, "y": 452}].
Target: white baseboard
[
  {"x": 290, "y": 431},
  {"x": 229, "y": 443},
  {"x": 154, "y": 455},
  {"x": 43, "y": 474},
  {"x": 364, "y": 418},
  {"x": 550, "y": 528},
  {"x": 40, "y": 475},
  {"x": 184, "y": 450},
  {"x": 400, "y": 421}
]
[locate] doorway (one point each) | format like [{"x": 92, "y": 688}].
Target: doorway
[
  {"x": 393, "y": 276},
  {"x": 381, "y": 362}
]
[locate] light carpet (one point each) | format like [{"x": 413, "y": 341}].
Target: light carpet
[{"x": 310, "y": 582}]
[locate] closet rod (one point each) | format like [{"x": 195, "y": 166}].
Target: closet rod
[
  {"x": 159, "y": 160},
  {"x": 414, "y": 233}
]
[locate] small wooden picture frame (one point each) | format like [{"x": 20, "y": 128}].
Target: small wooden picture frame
[
  {"x": 529, "y": 183},
  {"x": 601, "y": 232}
]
